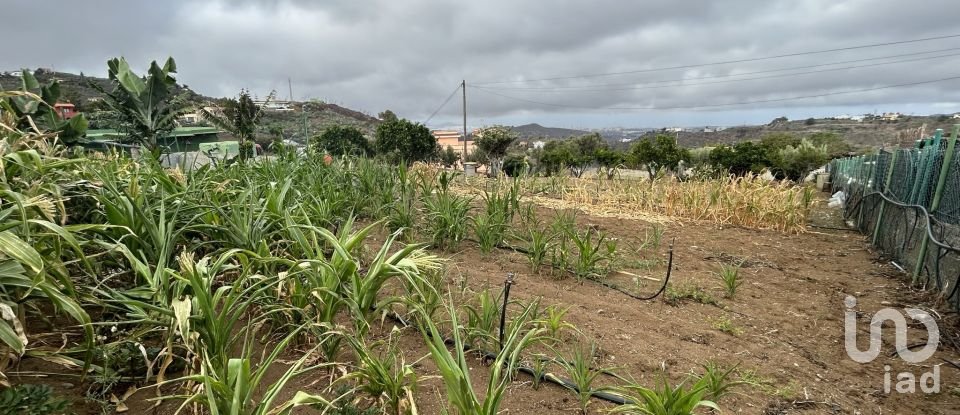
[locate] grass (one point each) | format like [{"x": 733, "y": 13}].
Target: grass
[
  {"x": 725, "y": 325},
  {"x": 680, "y": 293}
]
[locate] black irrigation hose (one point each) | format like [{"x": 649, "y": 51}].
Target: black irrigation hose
[
  {"x": 549, "y": 377},
  {"x": 611, "y": 286}
]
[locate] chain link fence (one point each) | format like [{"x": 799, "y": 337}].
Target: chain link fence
[{"x": 908, "y": 202}]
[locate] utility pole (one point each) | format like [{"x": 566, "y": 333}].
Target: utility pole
[
  {"x": 304, "y": 111},
  {"x": 290, "y": 85},
  {"x": 463, "y": 88}
]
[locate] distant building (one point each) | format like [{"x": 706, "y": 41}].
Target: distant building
[
  {"x": 890, "y": 116},
  {"x": 956, "y": 116},
  {"x": 453, "y": 139},
  {"x": 857, "y": 118},
  {"x": 539, "y": 144},
  {"x": 674, "y": 129},
  {"x": 842, "y": 117},
  {"x": 65, "y": 110}
]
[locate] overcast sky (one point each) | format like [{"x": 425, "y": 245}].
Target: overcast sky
[{"x": 409, "y": 55}]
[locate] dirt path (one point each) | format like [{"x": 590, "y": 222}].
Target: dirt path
[{"x": 787, "y": 318}]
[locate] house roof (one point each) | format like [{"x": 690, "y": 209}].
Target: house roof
[{"x": 109, "y": 134}]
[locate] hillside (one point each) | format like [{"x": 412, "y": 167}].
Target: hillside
[
  {"x": 539, "y": 131},
  {"x": 76, "y": 90},
  {"x": 868, "y": 133}
]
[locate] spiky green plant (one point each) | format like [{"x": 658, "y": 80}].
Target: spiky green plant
[
  {"x": 446, "y": 219},
  {"x": 553, "y": 321},
  {"x": 589, "y": 253},
  {"x": 489, "y": 229},
  {"x": 384, "y": 376},
  {"x": 718, "y": 381},
  {"x": 456, "y": 373},
  {"x": 729, "y": 275},
  {"x": 482, "y": 320},
  {"x": 665, "y": 400},
  {"x": 579, "y": 367}
]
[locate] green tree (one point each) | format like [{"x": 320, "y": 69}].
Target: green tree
[
  {"x": 610, "y": 160},
  {"x": 387, "y": 116},
  {"x": 403, "y": 140},
  {"x": 836, "y": 145},
  {"x": 795, "y": 162},
  {"x": 239, "y": 117},
  {"x": 493, "y": 143},
  {"x": 146, "y": 108},
  {"x": 772, "y": 144},
  {"x": 656, "y": 153},
  {"x": 554, "y": 156},
  {"x": 449, "y": 157},
  {"x": 342, "y": 140},
  {"x": 739, "y": 159},
  {"x": 515, "y": 165}
]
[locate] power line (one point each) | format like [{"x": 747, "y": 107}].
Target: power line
[
  {"x": 723, "y": 81},
  {"x": 665, "y": 68},
  {"x": 616, "y": 86},
  {"x": 442, "y": 105},
  {"x": 855, "y": 91}
]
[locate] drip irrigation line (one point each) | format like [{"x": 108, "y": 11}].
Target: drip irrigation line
[
  {"x": 698, "y": 65},
  {"x": 611, "y": 286},
  {"x": 549, "y": 377}
]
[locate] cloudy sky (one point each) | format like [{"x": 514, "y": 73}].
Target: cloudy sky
[{"x": 566, "y": 63}]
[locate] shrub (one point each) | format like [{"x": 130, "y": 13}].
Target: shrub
[{"x": 30, "y": 400}]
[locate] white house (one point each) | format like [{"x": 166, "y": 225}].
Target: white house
[
  {"x": 956, "y": 116},
  {"x": 842, "y": 117},
  {"x": 539, "y": 144}
]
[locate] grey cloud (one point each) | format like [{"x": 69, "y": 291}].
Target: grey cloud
[{"x": 408, "y": 55}]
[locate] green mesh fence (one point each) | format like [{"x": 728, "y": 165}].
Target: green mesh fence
[{"x": 908, "y": 202}]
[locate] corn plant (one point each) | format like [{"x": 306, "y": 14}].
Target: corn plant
[
  {"x": 456, "y": 373},
  {"x": 384, "y": 376},
  {"x": 446, "y": 219},
  {"x": 729, "y": 275},
  {"x": 666, "y": 400}
]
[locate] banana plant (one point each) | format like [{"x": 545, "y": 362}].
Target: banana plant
[{"x": 147, "y": 107}]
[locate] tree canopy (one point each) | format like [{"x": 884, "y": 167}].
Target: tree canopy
[
  {"x": 342, "y": 140},
  {"x": 401, "y": 139},
  {"x": 656, "y": 153}
]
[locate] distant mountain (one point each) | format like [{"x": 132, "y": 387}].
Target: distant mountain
[{"x": 539, "y": 131}]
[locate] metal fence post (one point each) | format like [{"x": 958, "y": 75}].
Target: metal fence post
[
  {"x": 886, "y": 188},
  {"x": 937, "y": 194}
]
